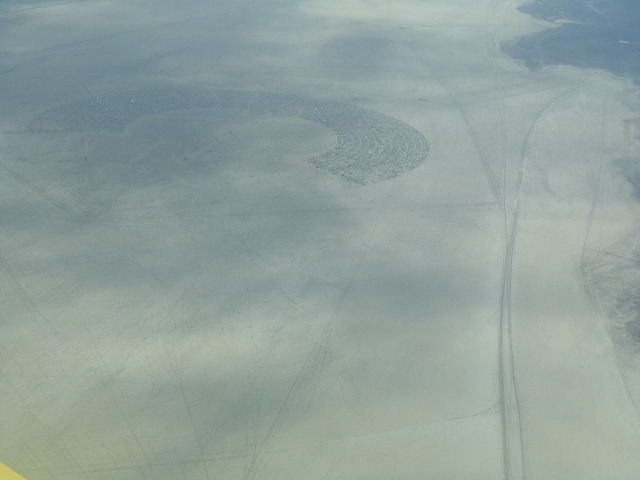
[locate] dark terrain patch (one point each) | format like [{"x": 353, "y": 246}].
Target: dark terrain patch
[
  {"x": 614, "y": 279},
  {"x": 587, "y": 33}
]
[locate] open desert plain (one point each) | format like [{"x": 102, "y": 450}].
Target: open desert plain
[{"x": 320, "y": 239}]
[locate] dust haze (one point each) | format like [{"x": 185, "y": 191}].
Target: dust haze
[{"x": 319, "y": 239}]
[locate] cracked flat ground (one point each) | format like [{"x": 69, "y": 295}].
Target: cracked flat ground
[{"x": 312, "y": 239}]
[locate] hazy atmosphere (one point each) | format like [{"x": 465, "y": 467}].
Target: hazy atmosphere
[{"x": 320, "y": 239}]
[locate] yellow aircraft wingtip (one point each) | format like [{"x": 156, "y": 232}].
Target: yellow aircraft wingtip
[{"x": 7, "y": 474}]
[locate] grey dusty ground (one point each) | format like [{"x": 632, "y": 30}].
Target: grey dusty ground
[{"x": 312, "y": 239}]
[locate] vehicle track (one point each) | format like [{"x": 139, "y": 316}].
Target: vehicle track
[
  {"x": 492, "y": 180},
  {"x": 512, "y": 434},
  {"x": 511, "y": 429},
  {"x": 312, "y": 363},
  {"x": 508, "y": 400}
]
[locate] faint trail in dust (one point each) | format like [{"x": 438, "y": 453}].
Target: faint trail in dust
[{"x": 513, "y": 443}]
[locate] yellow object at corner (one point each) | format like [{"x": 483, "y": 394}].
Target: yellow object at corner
[{"x": 7, "y": 474}]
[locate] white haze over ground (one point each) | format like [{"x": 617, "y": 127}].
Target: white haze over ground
[{"x": 188, "y": 297}]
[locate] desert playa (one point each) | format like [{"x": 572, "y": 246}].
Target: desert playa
[{"x": 319, "y": 240}]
